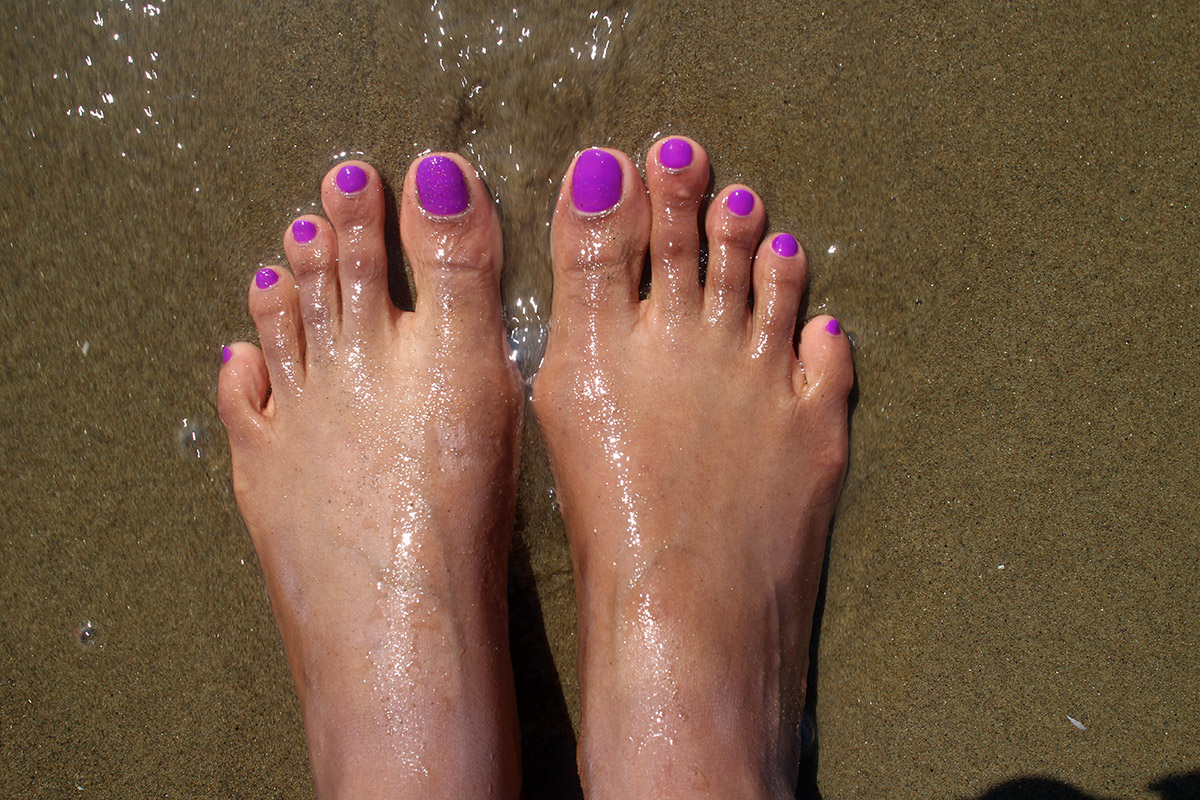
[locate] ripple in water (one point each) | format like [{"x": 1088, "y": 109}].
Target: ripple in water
[{"x": 192, "y": 439}]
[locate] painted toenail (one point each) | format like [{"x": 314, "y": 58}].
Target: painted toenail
[
  {"x": 675, "y": 154},
  {"x": 785, "y": 245},
  {"x": 741, "y": 202},
  {"x": 351, "y": 179},
  {"x": 226, "y": 354},
  {"x": 303, "y": 231},
  {"x": 265, "y": 278},
  {"x": 833, "y": 327},
  {"x": 596, "y": 181},
  {"x": 441, "y": 187}
]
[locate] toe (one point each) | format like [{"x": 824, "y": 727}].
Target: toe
[
  {"x": 352, "y": 194},
  {"x": 598, "y": 238},
  {"x": 275, "y": 308},
  {"x": 243, "y": 387},
  {"x": 312, "y": 253},
  {"x": 676, "y": 177},
  {"x": 734, "y": 226},
  {"x": 780, "y": 270},
  {"x": 828, "y": 372},
  {"x": 452, "y": 237}
]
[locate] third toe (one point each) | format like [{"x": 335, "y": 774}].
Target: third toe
[
  {"x": 275, "y": 309},
  {"x": 734, "y": 226},
  {"x": 311, "y": 251}
]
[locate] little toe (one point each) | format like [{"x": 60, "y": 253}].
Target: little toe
[
  {"x": 598, "y": 238},
  {"x": 780, "y": 272},
  {"x": 352, "y": 194},
  {"x": 734, "y": 227},
  {"x": 676, "y": 177},
  {"x": 243, "y": 387},
  {"x": 275, "y": 309},
  {"x": 311, "y": 250},
  {"x": 452, "y": 237},
  {"x": 828, "y": 371}
]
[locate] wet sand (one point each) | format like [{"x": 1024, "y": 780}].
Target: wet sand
[{"x": 1000, "y": 204}]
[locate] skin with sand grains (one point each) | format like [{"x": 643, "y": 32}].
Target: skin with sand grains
[{"x": 696, "y": 452}]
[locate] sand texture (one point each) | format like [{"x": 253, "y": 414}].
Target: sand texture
[{"x": 1000, "y": 202}]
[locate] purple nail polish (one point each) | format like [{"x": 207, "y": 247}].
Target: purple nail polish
[
  {"x": 785, "y": 245},
  {"x": 675, "y": 154},
  {"x": 833, "y": 327},
  {"x": 265, "y": 278},
  {"x": 351, "y": 179},
  {"x": 303, "y": 231},
  {"x": 441, "y": 187},
  {"x": 740, "y": 202},
  {"x": 596, "y": 181},
  {"x": 226, "y": 354}
]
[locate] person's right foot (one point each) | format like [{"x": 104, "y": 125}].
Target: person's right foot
[{"x": 697, "y": 462}]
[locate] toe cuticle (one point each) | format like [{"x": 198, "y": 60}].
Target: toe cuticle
[
  {"x": 265, "y": 278},
  {"x": 596, "y": 182},
  {"x": 303, "y": 231},
  {"x": 833, "y": 327},
  {"x": 784, "y": 244},
  {"x": 226, "y": 354},
  {"x": 351, "y": 179},
  {"x": 675, "y": 154},
  {"x": 441, "y": 187},
  {"x": 740, "y": 202}
]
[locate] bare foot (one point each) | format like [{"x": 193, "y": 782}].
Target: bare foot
[
  {"x": 374, "y": 461},
  {"x": 698, "y": 461}
]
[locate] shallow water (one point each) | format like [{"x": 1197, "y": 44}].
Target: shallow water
[{"x": 1000, "y": 204}]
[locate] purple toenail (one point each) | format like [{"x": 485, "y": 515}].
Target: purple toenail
[
  {"x": 675, "y": 154},
  {"x": 741, "y": 202},
  {"x": 303, "y": 231},
  {"x": 785, "y": 245},
  {"x": 596, "y": 181},
  {"x": 226, "y": 354},
  {"x": 351, "y": 179},
  {"x": 833, "y": 327},
  {"x": 265, "y": 278},
  {"x": 441, "y": 187}
]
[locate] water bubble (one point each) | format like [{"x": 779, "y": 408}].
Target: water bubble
[
  {"x": 86, "y": 634},
  {"x": 192, "y": 439},
  {"x": 527, "y": 338}
]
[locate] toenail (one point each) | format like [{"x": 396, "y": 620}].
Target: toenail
[
  {"x": 265, "y": 278},
  {"x": 441, "y": 187},
  {"x": 833, "y": 327},
  {"x": 351, "y": 179},
  {"x": 303, "y": 231},
  {"x": 675, "y": 154},
  {"x": 596, "y": 181},
  {"x": 785, "y": 245},
  {"x": 740, "y": 202},
  {"x": 226, "y": 354}
]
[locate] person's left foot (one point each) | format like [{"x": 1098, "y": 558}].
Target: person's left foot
[{"x": 374, "y": 461}]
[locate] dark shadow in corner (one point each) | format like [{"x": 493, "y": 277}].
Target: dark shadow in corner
[
  {"x": 547, "y": 738},
  {"x": 1179, "y": 786}
]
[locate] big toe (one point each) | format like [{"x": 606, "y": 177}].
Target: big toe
[
  {"x": 452, "y": 238},
  {"x": 599, "y": 237}
]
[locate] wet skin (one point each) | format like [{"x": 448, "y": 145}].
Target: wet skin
[
  {"x": 374, "y": 461},
  {"x": 697, "y": 457}
]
